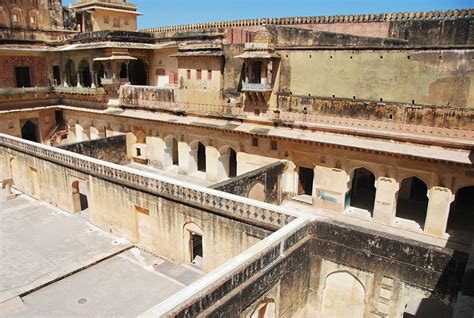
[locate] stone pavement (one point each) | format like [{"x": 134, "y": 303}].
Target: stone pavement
[{"x": 55, "y": 264}]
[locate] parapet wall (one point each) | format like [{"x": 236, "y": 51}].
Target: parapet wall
[
  {"x": 359, "y": 18},
  {"x": 112, "y": 149}
]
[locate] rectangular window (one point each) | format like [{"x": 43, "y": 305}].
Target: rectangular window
[
  {"x": 273, "y": 145},
  {"x": 198, "y": 74},
  {"x": 139, "y": 152},
  {"x": 23, "y": 76},
  {"x": 106, "y": 20},
  {"x": 125, "y": 21},
  {"x": 209, "y": 75},
  {"x": 255, "y": 141},
  {"x": 116, "y": 22},
  {"x": 14, "y": 18},
  {"x": 32, "y": 20},
  {"x": 188, "y": 74}
]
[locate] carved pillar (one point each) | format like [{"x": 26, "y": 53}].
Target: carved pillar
[
  {"x": 78, "y": 74},
  {"x": 439, "y": 203},
  {"x": 385, "y": 200},
  {"x": 94, "y": 79}
]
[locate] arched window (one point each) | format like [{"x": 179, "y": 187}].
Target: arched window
[
  {"x": 362, "y": 193},
  {"x": 29, "y": 131},
  {"x": 85, "y": 74},
  {"x": 201, "y": 157},
  {"x": 412, "y": 201}
]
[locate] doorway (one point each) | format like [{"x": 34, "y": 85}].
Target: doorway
[
  {"x": 23, "y": 76},
  {"x": 306, "y": 176}
]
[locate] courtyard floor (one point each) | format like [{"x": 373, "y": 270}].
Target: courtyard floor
[{"x": 55, "y": 264}]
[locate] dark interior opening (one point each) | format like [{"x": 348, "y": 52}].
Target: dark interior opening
[
  {"x": 123, "y": 71},
  {"x": 86, "y": 77},
  {"x": 363, "y": 189},
  {"x": 196, "y": 246},
  {"x": 412, "y": 200},
  {"x": 23, "y": 76},
  {"x": 29, "y": 131},
  {"x": 56, "y": 75},
  {"x": 137, "y": 73},
  {"x": 232, "y": 163},
  {"x": 461, "y": 215},
  {"x": 58, "y": 116},
  {"x": 306, "y": 176},
  {"x": 255, "y": 77},
  {"x": 201, "y": 153},
  {"x": 175, "y": 152},
  {"x": 84, "y": 202}
]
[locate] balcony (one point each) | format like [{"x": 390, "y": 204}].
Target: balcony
[{"x": 256, "y": 87}]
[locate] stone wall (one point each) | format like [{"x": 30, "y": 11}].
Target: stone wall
[
  {"x": 112, "y": 149},
  {"x": 268, "y": 176},
  {"x": 140, "y": 206},
  {"x": 330, "y": 270},
  {"x": 292, "y": 107},
  {"x": 426, "y": 77}
]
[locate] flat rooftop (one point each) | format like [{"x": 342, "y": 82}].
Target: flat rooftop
[{"x": 55, "y": 264}]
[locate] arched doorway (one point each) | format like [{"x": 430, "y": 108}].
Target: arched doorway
[
  {"x": 70, "y": 72},
  {"x": 138, "y": 73},
  {"x": 412, "y": 200},
  {"x": 85, "y": 74},
  {"x": 362, "y": 193},
  {"x": 461, "y": 215},
  {"x": 123, "y": 71},
  {"x": 99, "y": 72},
  {"x": 79, "y": 197},
  {"x": 197, "y": 157},
  {"x": 29, "y": 131},
  {"x": 343, "y": 296}
]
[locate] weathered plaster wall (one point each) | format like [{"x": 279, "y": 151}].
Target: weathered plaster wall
[
  {"x": 425, "y": 77},
  {"x": 145, "y": 219},
  {"x": 112, "y": 149},
  {"x": 269, "y": 176}
]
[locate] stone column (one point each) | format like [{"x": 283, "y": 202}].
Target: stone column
[
  {"x": 263, "y": 72},
  {"x": 93, "y": 77},
  {"x": 184, "y": 157},
  {"x": 330, "y": 188},
  {"x": 78, "y": 74},
  {"x": 64, "y": 79},
  {"x": 385, "y": 200},
  {"x": 439, "y": 203},
  {"x": 212, "y": 156}
]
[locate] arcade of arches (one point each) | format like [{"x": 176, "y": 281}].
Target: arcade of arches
[{"x": 405, "y": 201}]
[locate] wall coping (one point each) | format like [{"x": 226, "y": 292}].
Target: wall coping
[
  {"x": 259, "y": 257},
  {"x": 353, "y": 18},
  {"x": 233, "y": 206}
]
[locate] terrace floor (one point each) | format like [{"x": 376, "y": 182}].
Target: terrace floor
[{"x": 54, "y": 264}]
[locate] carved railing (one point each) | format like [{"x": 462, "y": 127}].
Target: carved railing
[
  {"x": 234, "y": 206},
  {"x": 264, "y": 257},
  {"x": 383, "y": 17}
]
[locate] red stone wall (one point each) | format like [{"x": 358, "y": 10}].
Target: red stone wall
[{"x": 37, "y": 64}]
